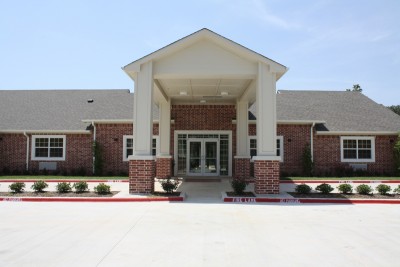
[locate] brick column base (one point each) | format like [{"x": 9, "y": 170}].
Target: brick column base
[
  {"x": 242, "y": 168},
  {"x": 164, "y": 167},
  {"x": 266, "y": 174},
  {"x": 141, "y": 176}
]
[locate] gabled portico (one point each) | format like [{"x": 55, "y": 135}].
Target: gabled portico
[{"x": 204, "y": 69}]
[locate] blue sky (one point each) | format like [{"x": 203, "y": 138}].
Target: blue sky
[{"x": 78, "y": 44}]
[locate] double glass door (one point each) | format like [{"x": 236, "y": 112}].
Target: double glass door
[{"x": 203, "y": 157}]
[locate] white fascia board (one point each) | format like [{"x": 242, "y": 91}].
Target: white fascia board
[
  {"x": 356, "y": 133},
  {"x": 289, "y": 122},
  {"x": 117, "y": 121},
  {"x": 47, "y": 131}
]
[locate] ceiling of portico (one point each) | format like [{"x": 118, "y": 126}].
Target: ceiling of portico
[{"x": 203, "y": 91}]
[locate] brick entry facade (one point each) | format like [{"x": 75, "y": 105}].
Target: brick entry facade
[
  {"x": 141, "y": 176},
  {"x": 266, "y": 174}
]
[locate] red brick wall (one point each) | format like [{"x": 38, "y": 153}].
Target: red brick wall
[
  {"x": 163, "y": 168},
  {"x": 295, "y": 138},
  {"x": 110, "y": 139},
  {"x": 12, "y": 152},
  {"x": 266, "y": 174},
  {"x": 141, "y": 174}
]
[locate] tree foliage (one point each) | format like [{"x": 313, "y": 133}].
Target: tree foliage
[
  {"x": 308, "y": 164},
  {"x": 356, "y": 88},
  {"x": 395, "y": 109},
  {"x": 396, "y": 151}
]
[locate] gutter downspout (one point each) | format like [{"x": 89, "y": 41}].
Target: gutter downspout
[
  {"x": 94, "y": 142},
  {"x": 27, "y": 151},
  {"x": 312, "y": 142}
]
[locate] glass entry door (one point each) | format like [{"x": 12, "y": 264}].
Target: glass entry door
[{"x": 203, "y": 157}]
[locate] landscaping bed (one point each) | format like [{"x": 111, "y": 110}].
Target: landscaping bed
[
  {"x": 56, "y": 194},
  {"x": 345, "y": 196},
  {"x": 165, "y": 194},
  {"x": 244, "y": 194}
]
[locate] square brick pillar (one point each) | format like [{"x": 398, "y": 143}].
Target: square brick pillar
[
  {"x": 266, "y": 174},
  {"x": 242, "y": 168},
  {"x": 164, "y": 167},
  {"x": 141, "y": 176}
]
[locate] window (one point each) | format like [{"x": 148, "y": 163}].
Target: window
[
  {"x": 128, "y": 146},
  {"x": 279, "y": 146},
  {"x": 48, "y": 147},
  {"x": 357, "y": 149}
]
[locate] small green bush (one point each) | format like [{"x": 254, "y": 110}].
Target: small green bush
[
  {"x": 169, "y": 186},
  {"x": 17, "y": 187},
  {"x": 397, "y": 190},
  {"x": 238, "y": 186},
  {"x": 63, "y": 187},
  {"x": 80, "y": 187},
  {"x": 303, "y": 189},
  {"x": 345, "y": 188},
  {"x": 102, "y": 189},
  {"x": 38, "y": 186},
  {"x": 383, "y": 189},
  {"x": 324, "y": 188},
  {"x": 364, "y": 189}
]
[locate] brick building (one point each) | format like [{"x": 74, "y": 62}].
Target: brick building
[{"x": 204, "y": 106}]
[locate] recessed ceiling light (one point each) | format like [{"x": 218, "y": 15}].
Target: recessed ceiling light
[
  {"x": 224, "y": 93},
  {"x": 182, "y": 93},
  {"x": 203, "y": 101}
]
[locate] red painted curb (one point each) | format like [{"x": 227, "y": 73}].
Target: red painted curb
[
  {"x": 310, "y": 200},
  {"x": 66, "y": 181},
  {"x": 88, "y": 199},
  {"x": 339, "y": 181}
]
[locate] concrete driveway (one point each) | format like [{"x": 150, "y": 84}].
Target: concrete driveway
[{"x": 198, "y": 234}]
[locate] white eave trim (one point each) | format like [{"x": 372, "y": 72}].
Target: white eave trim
[
  {"x": 47, "y": 131},
  {"x": 290, "y": 122},
  {"x": 356, "y": 133},
  {"x": 117, "y": 121}
]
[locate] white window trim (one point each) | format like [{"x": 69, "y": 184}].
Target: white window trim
[
  {"x": 33, "y": 148},
  {"x": 280, "y": 137},
  {"x": 125, "y": 137},
  {"x": 372, "y": 138}
]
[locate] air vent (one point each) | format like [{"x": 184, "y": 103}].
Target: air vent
[{"x": 90, "y": 100}]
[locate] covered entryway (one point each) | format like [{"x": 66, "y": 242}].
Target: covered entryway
[
  {"x": 205, "y": 153},
  {"x": 204, "y": 76}
]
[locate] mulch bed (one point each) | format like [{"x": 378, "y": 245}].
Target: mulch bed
[
  {"x": 165, "y": 194},
  {"x": 244, "y": 194},
  {"x": 345, "y": 196},
  {"x": 55, "y": 194}
]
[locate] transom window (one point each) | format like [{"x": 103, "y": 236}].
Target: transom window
[
  {"x": 128, "y": 146},
  {"x": 48, "y": 147},
  {"x": 357, "y": 149},
  {"x": 279, "y": 146}
]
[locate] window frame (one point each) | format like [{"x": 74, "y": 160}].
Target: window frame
[
  {"x": 357, "y": 138},
  {"x": 126, "y": 137},
  {"x": 33, "y": 147},
  {"x": 278, "y": 137}
]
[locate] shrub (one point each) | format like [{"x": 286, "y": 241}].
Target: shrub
[
  {"x": 396, "y": 154},
  {"x": 324, "y": 188},
  {"x": 38, "y": 186},
  {"x": 397, "y": 190},
  {"x": 102, "y": 189},
  {"x": 63, "y": 187},
  {"x": 303, "y": 189},
  {"x": 308, "y": 164},
  {"x": 383, "y": 189},
  {"x": 345, "y": 188},
  {"x": 364, "y": 189},
  {"x": 80, "y": 187},
  {"x": 238, "y": 186},
  {"x": 169, "y": 186},
  {"x": 17, "y": 187}
]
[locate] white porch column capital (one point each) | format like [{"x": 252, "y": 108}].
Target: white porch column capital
[
  {"x": 266, "y": 111},
  {"x": 143, "y": 111},
  {"x": 242, "y": 128}
]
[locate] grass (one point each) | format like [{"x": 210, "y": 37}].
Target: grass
[
  {"x": 379, "y": 178},
  {"x": 59, "y": 177}
]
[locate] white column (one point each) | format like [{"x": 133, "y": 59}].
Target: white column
[
  {"x": 266, "y": 112},
  {"x": 165, "y": 127},
  {"x": 143, "y": 112},
  {"x": 242, "y": 129}
]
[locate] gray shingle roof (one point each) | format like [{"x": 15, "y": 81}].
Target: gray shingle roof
[
  {"x": 341, "y": 110},
  {"x": 64, "y": 110},
  {"x": 61, "y": 109}
]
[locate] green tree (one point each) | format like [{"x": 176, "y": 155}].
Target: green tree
[
  {"x": 356, "y": 88},
  {"x": 308, "y": 164},
  {"x": 395, "y": 109}
]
